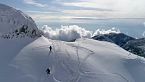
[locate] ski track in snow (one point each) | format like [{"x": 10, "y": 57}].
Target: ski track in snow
[
  {"x": 66, "y": 66},
  {"x": 79, "y": 74}
]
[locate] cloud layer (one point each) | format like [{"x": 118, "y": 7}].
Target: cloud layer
[
  {"x": 103, "y": 31},
  {"x": 72, "y": 32},
  {"x": 97, "y": 9},
  {"x": 73, "y": 10},
  {"x": 33, "y": 2}
]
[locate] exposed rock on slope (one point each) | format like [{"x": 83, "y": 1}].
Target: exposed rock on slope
[{"x": 136, "y": 46}]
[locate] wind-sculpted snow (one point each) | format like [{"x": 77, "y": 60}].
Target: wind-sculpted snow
[
  {"x": 85, "y": 60},
  {"x": 73, "y": 32}
]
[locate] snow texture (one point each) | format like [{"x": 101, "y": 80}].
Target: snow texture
[
  {"x": 85, "y": 60},
  {"x": 10, "y": 20}
]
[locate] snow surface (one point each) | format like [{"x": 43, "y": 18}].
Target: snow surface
[
  {"x": 9, "y": 48},
  {"x": 85, "y": 60},
  {"x": 10, "y": 20}
]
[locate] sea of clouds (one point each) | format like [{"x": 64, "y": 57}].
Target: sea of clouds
[{"x": 73, "y": 32}]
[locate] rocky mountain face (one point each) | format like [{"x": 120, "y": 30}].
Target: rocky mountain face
[
  {"x": 136, "y": 46},
  {"x": 22, "y": 32},
  {"x": 117, "y": 38}
]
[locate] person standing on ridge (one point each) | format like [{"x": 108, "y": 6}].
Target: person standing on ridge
[
  {"x": 50, "y": 48},
  {"x": 48, "y": 71}
]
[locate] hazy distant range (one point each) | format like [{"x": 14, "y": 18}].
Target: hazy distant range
[{"x": 132, "y": 26}]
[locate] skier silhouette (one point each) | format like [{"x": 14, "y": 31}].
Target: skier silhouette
[
  {"x": 50, "y": 48},
  {"x": 48, "y": 71}
]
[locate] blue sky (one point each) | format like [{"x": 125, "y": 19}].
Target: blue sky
[{"x": 79, "y": 10}]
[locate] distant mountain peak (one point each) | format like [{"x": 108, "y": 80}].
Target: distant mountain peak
[{"x": 117, "y": 38}]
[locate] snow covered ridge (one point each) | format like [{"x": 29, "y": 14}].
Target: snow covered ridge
[
  {"x": 14, "y": 23},
  {"x": 81, "y": 61}
]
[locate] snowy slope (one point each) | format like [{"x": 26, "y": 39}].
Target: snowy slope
[
  {"x": 14, "y": 25},
  {"x": 85, "y": 60},
  {"x": 9, "y": 48}
]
